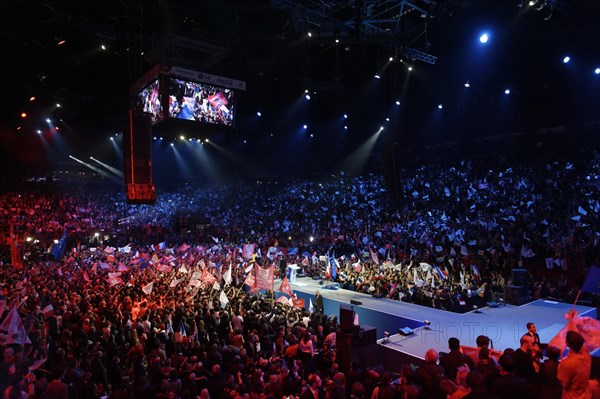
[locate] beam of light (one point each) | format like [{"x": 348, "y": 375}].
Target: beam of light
[
  {"x": 97, "y": 170},
  {"x": 358, "y": 159},
  {"x": 566, "y": 59},
  {"x": 484, "y": 38},
  {"x": 112, "y": 169}
]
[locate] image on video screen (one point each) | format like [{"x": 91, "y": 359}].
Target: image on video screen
[
  {"x": 200, "y": 102},
  {"x": 149, "y": 99}
]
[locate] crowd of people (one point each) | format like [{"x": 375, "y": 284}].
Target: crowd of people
[{"x": 118, "y": 301}]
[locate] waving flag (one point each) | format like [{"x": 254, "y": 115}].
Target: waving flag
[
  {"x": 333, "y": 267},
  {"x": 248, "y": 250},
  {"x": 374, "y": 257},
  {"x": 59, "y": 249},
  {"x": 265, "y": 278},
  {"x": 14, "y": 251},
  {"x": 223, "y": 299},
  {"x": 285, "y": 287},
  {"x": 250, "y": 279},
  {"x": 227, "y": 275},
  {"x": 16, "y": 333},
  {"x": 147, "y": 289},
  {"x": 439, "y": 272}
]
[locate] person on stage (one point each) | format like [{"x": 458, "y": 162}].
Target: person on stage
[{"x": 318, "y": 302}]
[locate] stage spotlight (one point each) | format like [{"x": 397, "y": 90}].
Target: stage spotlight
[
  {"x": 346, "y": 127},
  {"x": 32, "y": 98},
  {"x": 172, "y": 144},
  {"x": 23, "y": 115},
  {"x": 566, "y": 59},
  {"x": 532, "y": 3},
  {"x": 103, "y": 47},
  {"x": 597, "y": 71},
  {"x": 57, "y": 105},
  {"x": 507, "y": 91},
  {"x": 161, "y": 138},
  {"x": 39, "y": 132},
  {"x": 311, "y": 136},
  {"x": 467, "y": 84},
  {"x": 182, "y": 137},
  {"x": 381, "y": 128},
  {"x": 309, "y": 34},
  {"x": 206, "y": 141},
  {"x": 397, "y": 102},
  {"x": 337, "y": 40},
  {"x": 377, "y": 76},
  {"x": 387, "y": 119},
  {"x": 440, "y": 106},
  {"x": 311, "y": 238},
  {"x": 410, "y": 68},
  {"x": 345, "y": 116},
  {"x": 484, "y": 38},
  {"x": 307, "y": 96},
  {"x": 190, "y": 139},
  {"x": 259, "y": 113},
  {"x": 391, "y": 59},
  {"x": 48, "y": 121},
  {"x": 154, "y": 138},
  {"x": 112, "y": 139},
  {"x": 245, "y": 141},
  {"x": 305, "y": 127},
  {"x": 198, "y": 141}
]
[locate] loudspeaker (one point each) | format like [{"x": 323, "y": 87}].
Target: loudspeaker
[
  {"x": 346, "y": 318},
  {"x": 516, "y": 295},
  {"x": 137, "y": 158},
  {"x": 406, "y": 331},
  {"x": 520, "y": 277},
  {"x": 353, "y": 302},
  {"x": 367, "y": 335}
]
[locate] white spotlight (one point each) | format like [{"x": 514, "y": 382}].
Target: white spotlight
[
  {"x": 103, "y": 47},
  {"x": 48, "y": 121},
  {"x": 381, "y": 128},
  {"x": 391, "y": 58},
  {"x": 377, "y": 76},
  {"x": 305, "y": 126},
  {"x": 467, "y": 84},
  {"x": 440, "y": 106},
  {"x": 311, "y": 135},
  {"x": 259, "y": 113},
  {"x": 397, "y": 102},
  {"x": 597, "y": 71},
  {"x": 507, "y": 91},
  {"x": 307, "y": 96},
  {"x": 345, "y": 127},
  {"x": 182, "y": 137},
  {"x": 172, "y": 144},
  {"x": 311, "y": 238},
  {"x": 39, "y": 132},
  {"x": 410, "y": 68},
  {"x": 387, "y": 119},
  {"x": 484, "y": 38},
  {"x": 566, "y": 59},
  {"x": 309, "y": 34},
  {"x": 57, "y": 105},
  {"x": 345, "y": 116}
]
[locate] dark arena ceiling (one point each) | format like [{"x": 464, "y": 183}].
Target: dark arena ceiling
[{"x": 84, "y": 55}]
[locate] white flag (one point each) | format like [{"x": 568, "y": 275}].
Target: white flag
[
  {"x": 223, "y": 299},
  {"x": 311, "y": 308},
  {"x": 227, "y": 275},
  {"x": 147, "y": 289}
]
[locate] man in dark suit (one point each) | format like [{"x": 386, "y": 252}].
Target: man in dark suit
[
  {"x": 314, "y": 389},
  {"x": 318, "y": 302},
  {"x": 282, "y": 267},
  {"x": 454, "y": 359},
  {"x": 538, "y": 348},
  {"x": 509, "y": 385}
]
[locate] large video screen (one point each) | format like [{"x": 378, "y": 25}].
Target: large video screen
[
  {"x": 150, "y": 100},
  {"x": 201, "y": 102}
]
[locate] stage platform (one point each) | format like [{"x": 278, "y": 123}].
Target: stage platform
[{"x": 504, "y": 325}]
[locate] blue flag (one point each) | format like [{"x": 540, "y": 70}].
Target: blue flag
[
  {"x": 59, "y": 249},
  {"x": 333, "y": 267}
]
